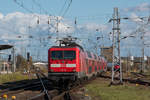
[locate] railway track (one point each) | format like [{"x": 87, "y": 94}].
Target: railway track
[
  {"x": 28, "y": 91},
  {"x": 24, "y": 87},
  {"x": 25, "y": 91},
  {"x": 138, "y": 80},
  {"x": 39, "y": 89},
  {"x": 62, "y": 94}
]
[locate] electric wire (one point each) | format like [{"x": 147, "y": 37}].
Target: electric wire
[
  {"x": 21, "y": 5},
  {"x": 63, "y": 7},
  {"x": 67, "y": 8},
  {"x": 39, "y": 5}
]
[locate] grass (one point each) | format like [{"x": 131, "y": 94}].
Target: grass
[
  {"x": 99, "y": 88},
  {"x": 13, "y": 77}
]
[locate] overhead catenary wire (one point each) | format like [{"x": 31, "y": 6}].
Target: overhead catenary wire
[
  {"x": 41, "y": 8},
  {"x": 66, "y": 10},
  {"x": 25, "y": 8},
  {"x": 61, "y": 11},
  {"x": 46, "y": 12},
  {"x": 22, "y": 5},
  {"x": 31, "y": 11}
]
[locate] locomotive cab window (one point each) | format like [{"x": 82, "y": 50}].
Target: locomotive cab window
[
  {"x": 57, "y": 55},
  {"x": 63, "y": 55},
  {"x": 69, "y": 55}
]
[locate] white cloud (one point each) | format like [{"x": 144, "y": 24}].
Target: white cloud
[
  {"x": 135, "y": 18},
  {"x": 19, "y": 23},
  {"x": 94, "y": 27},
  {"x": 1, "y": 16},
  {"x": 139, "y": 8},
  {"x": 15, "y": 28}
]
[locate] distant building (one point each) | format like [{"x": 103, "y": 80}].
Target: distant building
[
  {"x": 5, "y": 67},
  {"x": 107, "y": 53},
  {"x": 41, "y": 65},
  {"x": 128, "y": 64},
  {"x": 135, "y": 64}
]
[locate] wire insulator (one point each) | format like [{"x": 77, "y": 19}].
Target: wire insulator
[
  {"x": 149, "y": 19},
  {"x": 75, "y": 22},
  {"x": 38, "y": 21}
]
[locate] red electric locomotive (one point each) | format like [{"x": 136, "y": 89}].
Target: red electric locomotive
[{"x": 71, "y": 63}]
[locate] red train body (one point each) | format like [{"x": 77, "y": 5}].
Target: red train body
[{"x": 73, "y": 63}]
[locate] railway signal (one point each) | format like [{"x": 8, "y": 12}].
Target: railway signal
[
  {"x": 28, "y": 56},
  {"x": 14, "y": 59},
  {"x": 9, "y": 58}
]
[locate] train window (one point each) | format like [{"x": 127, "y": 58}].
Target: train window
[
  {"x": 95, "y": 68},
  {"x": 63, "y": 55},
  {"x": 86, "y": 62},
  {"x": 57, "y": 55},
  {"x": 90, "y": 69},
  {"x": 99, "y": 58},
  {"x": 69, "y": 54},
  {"x": 95, "y": 56},
  {"x": 89, "y": 54}
]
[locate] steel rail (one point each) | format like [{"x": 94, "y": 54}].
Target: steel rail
[{"x": 45, "y": 90}]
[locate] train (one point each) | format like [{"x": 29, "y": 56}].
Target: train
[{"x": 71, "y": 63}]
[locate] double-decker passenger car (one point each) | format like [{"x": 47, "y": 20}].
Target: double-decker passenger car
[{"x": 72, "y": 63}]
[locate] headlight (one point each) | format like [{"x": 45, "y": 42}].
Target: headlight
[
  {"x": 74, "y": 70},
  {"x": 70, "y": 65},
  {"x": 51, "y": 70},
  {"x": 55, "y": 65}
]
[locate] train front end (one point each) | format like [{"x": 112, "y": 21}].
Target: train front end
[{"x": 63, "y": 64}]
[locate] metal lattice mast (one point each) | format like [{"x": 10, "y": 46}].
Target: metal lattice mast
[
  {"x": 116, "y": 31},
  {"x": 113, "y": 47}
]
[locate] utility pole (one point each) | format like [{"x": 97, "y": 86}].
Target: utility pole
[
  {"x": 102, "y": 37},
  {"x": 143, "y": 54},
  {"x": 113, "y": 46},
  {"x": 48, "y": 22},
  {"x": 102, "y": 46},
  {"x": 57, "y": 26},
  {"x": 129, "y": 67},
  {"x": 143, "y": 66},
  {"x": 75, "y": 27},
  {"x": 116, "y": 30},
  {"x": 143, "y": 46},
  {"x": 75, "y": 23},
  {"x": 14, "y": 59}
]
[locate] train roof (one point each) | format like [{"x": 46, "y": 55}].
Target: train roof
[{"x": 67, "y": 47}]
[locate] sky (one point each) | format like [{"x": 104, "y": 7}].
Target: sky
[
  {"x": 78, "y": 8},
  {"x": 19, "y": 26}
]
